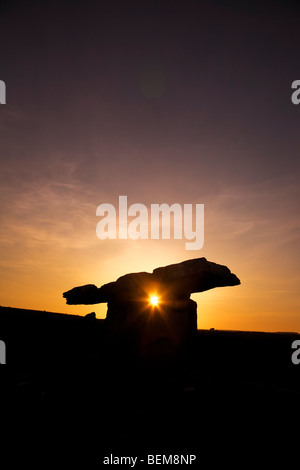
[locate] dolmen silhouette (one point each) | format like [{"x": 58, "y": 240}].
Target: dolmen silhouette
[{"x": 153, "y": 311}]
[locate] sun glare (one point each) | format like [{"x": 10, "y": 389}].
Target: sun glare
[{"x": 154, "y": 300}]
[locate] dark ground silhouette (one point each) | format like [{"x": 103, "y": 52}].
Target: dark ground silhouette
[{"x": 70, "y": 396}]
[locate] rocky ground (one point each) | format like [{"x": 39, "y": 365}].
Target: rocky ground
[{"x": 71, "y": 397}]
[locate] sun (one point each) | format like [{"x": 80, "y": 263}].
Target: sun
[{"x": 154, "y": 300}]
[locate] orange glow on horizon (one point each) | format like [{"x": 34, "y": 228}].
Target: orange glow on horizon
[{"x": 38, "y": 281}]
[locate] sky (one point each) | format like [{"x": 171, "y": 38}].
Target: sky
[{"x": 164, "y": 102}]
